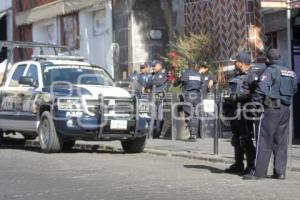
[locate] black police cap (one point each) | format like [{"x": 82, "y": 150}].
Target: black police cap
[
  {"x": 273, "y": 54},
  {"x": 155, "y": 62},
  {"x": 242, "y": 57}
]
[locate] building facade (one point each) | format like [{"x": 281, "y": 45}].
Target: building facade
[
  {"x": 6, "y": 23},
  {"x": 84, "y": 26},
  {"x": 235, "y": 25}
]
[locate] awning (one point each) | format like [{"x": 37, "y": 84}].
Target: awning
[
  {"x": 279, "y": 3},
  {"x": 56, "y": 8},
  {"x": 2, "y": 14}
]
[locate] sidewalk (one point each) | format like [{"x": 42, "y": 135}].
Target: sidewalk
[{"x": 200, "y": 150}]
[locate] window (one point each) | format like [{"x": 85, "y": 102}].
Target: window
[
  {"x": 70, "y": 31},
  {"x": 99, "y": 22},
  {"x": 33, "y": 72},
  {"x": 17, "y": 75},
  {"x": 271, "y": 40}
]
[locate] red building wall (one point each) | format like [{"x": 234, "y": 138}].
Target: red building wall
[
  {"x": 23, "y": 5},
  {"x": 24, "y": 33},
  {"x": 235, "y": 25}
]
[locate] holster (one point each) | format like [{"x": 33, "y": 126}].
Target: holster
[{"x": 272, "y": 103}]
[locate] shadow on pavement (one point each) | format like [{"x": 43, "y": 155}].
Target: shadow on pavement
[
  {"x": 211, "y": 169},
  {"x": 20, "y": 144}
]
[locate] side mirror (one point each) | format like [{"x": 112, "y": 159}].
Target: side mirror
[{"x": 27, "y": 80}]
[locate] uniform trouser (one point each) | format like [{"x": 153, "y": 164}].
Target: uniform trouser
[
  {"x": 272, "y": 137},
  {"x": 192, "y": 112},
  {"x": 158, "y": 118},
  {"x": 242, "y": 141}
]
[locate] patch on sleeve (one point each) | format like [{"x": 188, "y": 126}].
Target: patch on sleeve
[
  {"x": 287, "y": 73},
  {"x": 263, "y": 77}
]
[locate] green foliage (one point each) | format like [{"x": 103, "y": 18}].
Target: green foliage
[{"x": 197, "y": 47}]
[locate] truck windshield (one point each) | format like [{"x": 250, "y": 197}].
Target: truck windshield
[{"x": 83, "y": 75}]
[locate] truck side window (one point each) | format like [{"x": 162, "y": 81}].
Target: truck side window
[
  {"x": 33, "y": 72},
  {"x": 17, "y": 75}
]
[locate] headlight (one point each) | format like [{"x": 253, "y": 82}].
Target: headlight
[
  {"x": 144, "y": 107},
  {"x": 69, "y": 104}
]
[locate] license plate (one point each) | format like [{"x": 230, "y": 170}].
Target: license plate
[{"x": 118, "y": 124}]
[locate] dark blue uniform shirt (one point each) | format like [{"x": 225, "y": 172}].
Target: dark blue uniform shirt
[
  {"x": 158, "y": 82},
  {"x": 276, "y": 82},
  {"x": 243, "y": 85},
  {"x": 190, "y": 80},
  {"x": 144, "y": 79}
]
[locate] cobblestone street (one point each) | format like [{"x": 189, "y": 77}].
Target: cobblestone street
[{"x": 28, "y": 174}]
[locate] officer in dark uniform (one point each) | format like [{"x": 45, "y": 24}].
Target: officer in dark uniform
[
  {"x": 144, "y": 77},
  {"x": 191, "y": 82},
  {"x": 159, "y": 86},
  {"x": 139, "y": 81},
  {"x": 275, "y": 91},
  {"x": 242, "y": 87},
  {"x": 208, "y": 79}
]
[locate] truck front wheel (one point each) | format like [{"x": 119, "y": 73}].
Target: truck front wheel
[
  {"x": 136, "y": 145},
  {"x": 1, "y": 136},
  {"x": 50, "y": 142}
]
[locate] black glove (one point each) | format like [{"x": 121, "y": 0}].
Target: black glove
[{"x": 232, "y": 98}]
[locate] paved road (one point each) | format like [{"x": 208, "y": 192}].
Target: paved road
[{"x": 31, "y": 175}]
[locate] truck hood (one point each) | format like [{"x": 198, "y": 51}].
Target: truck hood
[
  {"x": 90, "y": 91},
  {"x": 106, "y": 91}
]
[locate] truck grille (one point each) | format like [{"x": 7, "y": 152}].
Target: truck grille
[{"x": 117, "y": 106}]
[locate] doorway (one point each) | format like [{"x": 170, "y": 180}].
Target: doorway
[
  {"x": 3, "y": 36},
  {"x": 296, "y": 64}
]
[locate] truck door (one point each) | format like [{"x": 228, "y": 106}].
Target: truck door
[
  {"x": 9, "y": 98},
  {"x": 27, "y": 96}
]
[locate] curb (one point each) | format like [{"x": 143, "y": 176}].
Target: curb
[{"x": 112, "y": 148}]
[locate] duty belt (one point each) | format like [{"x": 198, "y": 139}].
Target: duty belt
[{"x": 272, "y": 103}]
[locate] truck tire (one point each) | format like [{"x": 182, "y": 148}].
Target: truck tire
[
  {"x": 136, "y": 145},
  {"x": 50, "y": 142},
  {"x": 1, "y": 136},
  {"x": 68, "y": 145}
]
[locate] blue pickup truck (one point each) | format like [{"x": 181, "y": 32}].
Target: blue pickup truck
[{"x": 61, "y": 99}]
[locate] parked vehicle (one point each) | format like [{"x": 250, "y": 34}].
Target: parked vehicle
[{"x": 61, "y": 99}]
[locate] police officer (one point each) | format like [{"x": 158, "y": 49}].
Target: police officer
[
  {"x": 242, "y": 86},
  {"x": 138, "y": 81},
  {"x": 275, "y": 91},
  {"x": 144, "y": 77},
  {"x": 208, "y": 80},
  {"x": 158, "y": 84},
  {"x": 191, "y": 82}
]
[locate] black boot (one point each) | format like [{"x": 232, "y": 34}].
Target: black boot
[
  {"x": 235, "y": 169},
  {"x": 250, "y": 157},
  {"x": 238, "y": 166},
  {"x": 192, "y": 138}
]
